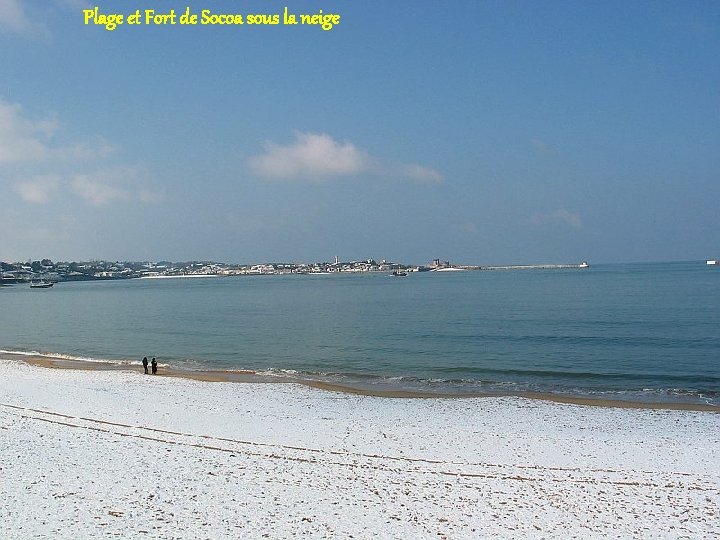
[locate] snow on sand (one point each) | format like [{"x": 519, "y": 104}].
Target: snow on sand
[{"x": 96, "y": 454}]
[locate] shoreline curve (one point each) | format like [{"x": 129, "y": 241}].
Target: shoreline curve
[{"x": 249, "y": 376}]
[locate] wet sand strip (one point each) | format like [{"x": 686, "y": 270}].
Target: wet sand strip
[{"x": 249, "y": 376}]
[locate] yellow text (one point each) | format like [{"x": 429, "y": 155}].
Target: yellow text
[
  {"x": 325, "y": 20},
  {"x": 109, "y": 21}
]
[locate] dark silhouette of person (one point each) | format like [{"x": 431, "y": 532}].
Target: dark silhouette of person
[
  {"x": 154, "y": 366},
  {"x": 145, "y": 364}
]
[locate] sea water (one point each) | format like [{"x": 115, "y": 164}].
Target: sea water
[{"x": 647, "y": 332}]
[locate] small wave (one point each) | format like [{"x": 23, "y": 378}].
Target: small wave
[
  {"x": 472, "y": 386},
  {"x": 69, "y": 357},
  {"x": 20, "y": 353},
  {"x": 590, "y": 375},
  {"x": 469, "y": 381}
]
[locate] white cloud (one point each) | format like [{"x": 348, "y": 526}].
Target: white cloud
[
  {"x": 97, "y": 190},
  {"x": 96, "y": 149},
  {"x": 318, "y": 157},
  {"x": 39, "y": 189},
  {"x": 560, "y": 216},
  {"x": 14, "y": 19},
  {"x": 311, "y": 156},
  {"x": 40, "y": 164},
  {"x": 423, "y": 175},
  {"x": 12, "y": 16},
  {"x": 22, "y": 139},
  {"x": 114, "y": 184}
]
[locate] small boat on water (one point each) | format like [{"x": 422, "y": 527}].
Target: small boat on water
[
  {"x": 399, "y": 273},
  {"x": 713, "y": 262},
  {"x": 41, "y": 284}
]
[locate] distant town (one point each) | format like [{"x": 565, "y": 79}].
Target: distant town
[
  {"x": 53, "y": 272},
  {"x": 46, "y": 269}
]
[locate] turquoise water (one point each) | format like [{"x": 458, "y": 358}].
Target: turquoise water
[{"x": 645, "y": 331}]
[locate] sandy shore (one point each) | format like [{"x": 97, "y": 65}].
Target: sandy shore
[
  {"x": 96, "y": 454},
  {"x": 247, "y": 376}
]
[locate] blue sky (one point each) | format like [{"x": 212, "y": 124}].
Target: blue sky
[{"x": 478, "y": 132}]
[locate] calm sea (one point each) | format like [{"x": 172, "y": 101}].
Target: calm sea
[{"x": 643, "y": 331}]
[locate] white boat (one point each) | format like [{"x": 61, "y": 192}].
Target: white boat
[
  {"x": 41, "y": 284},
  {"x": 399, "y": 273},
  {"x": 713, "y": 262}
]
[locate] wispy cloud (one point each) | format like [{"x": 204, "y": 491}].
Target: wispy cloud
[
  {"x": 317, "y": 157},
  {"x": 108, "y": 185},
  {"x": 15, "y": 19},
  {"x": 420, "y": 174},
  {"x": 23, "y": 139},
  {"x": 98, "y": 148},
  {"x": 38, "y": 190},
  {"x": 560, "y": 216},
  {"x": 96, "y": 191},
  {"x": 41, "y": 164}
]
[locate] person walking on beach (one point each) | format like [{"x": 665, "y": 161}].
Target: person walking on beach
[
  {"x": 154, "y": 366},
  {"x": 145, "y": 364}
]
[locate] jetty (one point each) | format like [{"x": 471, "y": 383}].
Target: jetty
[
  {"x": 530, "y": 267},
  {"x": 444, "y": 267}
]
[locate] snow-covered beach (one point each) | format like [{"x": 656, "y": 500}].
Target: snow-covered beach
[{"x": 97, "y": 454}]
